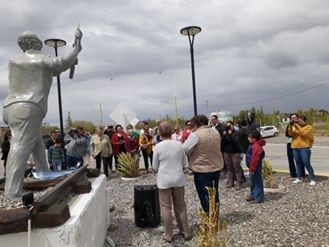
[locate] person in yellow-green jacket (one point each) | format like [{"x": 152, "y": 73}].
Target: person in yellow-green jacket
[{"x": 302, "y": 142}]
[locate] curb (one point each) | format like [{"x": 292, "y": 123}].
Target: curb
[{"x": 319, "y": 175}]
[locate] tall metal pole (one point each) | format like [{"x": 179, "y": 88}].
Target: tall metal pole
[
  {"x": 59, "y": 100},
  {"x": 191, "y": 41},
  {"x": 176, "y": 109},
  {"x": 100, "y": 114},
  {"x": 190, "y": 32},
  {"x": 55, "y": 43}
]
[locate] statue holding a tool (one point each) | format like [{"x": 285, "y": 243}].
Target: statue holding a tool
[{"x": 30, "y": 79}]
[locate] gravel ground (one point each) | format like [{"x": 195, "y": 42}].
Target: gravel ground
[
  {"x": 6, "y": 203},
  {"x": 296, "y": 216}
]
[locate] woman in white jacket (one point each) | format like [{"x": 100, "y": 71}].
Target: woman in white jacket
[{"x": 169, "y": 161}]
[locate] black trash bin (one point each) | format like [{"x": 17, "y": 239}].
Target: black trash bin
[{"x": 146, "y": 206}]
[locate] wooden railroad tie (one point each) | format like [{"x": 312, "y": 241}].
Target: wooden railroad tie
[{"x": 49, "y": 210}]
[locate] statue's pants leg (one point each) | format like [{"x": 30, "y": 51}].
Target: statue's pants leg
[
  {"x": 39, "y": 155},
  {"x": 24, "y": 120}
]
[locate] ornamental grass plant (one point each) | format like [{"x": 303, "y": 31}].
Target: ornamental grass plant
[
  {"x": 267, "y": 173},
  {"x": 128, "y": 165}
]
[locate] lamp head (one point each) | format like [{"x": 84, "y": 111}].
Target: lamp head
[
  {"x": 190, "y": 30},
  {"x": 55, "y": 42}
]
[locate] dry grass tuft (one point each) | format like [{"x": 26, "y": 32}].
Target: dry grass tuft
[{"x": 211, "y": 232}]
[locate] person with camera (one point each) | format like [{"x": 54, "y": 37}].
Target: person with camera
[
  {"x": 292, "y": 166},
  {"x": 301, "y": 144},
  {"x": 232, "y": 151}
]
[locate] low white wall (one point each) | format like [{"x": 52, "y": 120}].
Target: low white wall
[{"x": 87, "y": 226}]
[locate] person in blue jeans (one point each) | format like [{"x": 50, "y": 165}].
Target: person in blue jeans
[
  {"x": 56, "y": 155},
  {"x": 205, "y": 158},
  {"x": 302, "y": 142},
  {"x": 254, "y": 159}
]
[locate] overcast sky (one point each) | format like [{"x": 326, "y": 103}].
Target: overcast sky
[{"x": 249, "y": 53}]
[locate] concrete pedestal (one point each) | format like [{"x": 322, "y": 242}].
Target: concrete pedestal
[{"x": 87, "y": 226}]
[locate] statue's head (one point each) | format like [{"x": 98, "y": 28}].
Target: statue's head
[{"x": 29, "y": 41}]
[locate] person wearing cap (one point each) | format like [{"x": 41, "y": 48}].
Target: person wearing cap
[{"x": 30, "y": 79}]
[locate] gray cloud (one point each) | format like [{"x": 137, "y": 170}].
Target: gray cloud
[{"x": 247, "y": 51}]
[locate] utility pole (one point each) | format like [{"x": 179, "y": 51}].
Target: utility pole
[{"x": 100, "y": 114}]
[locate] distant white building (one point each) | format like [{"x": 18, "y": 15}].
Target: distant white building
[{"x": 223, "y": 116}]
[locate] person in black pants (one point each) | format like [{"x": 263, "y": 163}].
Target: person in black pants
[
  {"x": 5, "y": 146},
  {"x": 146, "y": 145},
  {"x": 109, "y": 132}
]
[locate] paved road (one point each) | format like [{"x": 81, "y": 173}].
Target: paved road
[{"x": 276, "y": 154}]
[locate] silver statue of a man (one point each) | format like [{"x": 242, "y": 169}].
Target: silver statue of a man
[{"x": 30, "y": 79}]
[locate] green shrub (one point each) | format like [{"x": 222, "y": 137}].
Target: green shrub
[{"x": 128, "y": 165}]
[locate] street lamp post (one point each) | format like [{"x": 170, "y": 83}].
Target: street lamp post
[
  {"x": 55, "y": 43},
  {"x": 190, "y": 32}
]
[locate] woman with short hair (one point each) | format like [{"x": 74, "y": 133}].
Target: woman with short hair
[
  {"x": 169, "y": 161},
  {"x": 101, "y": 149},
  {"x": 120, "y": 143}
]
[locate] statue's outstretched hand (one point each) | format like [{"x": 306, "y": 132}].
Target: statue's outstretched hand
[{"x": 78, "y": 36}]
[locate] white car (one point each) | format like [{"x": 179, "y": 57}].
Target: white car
[{"x": 268, "y": 131}]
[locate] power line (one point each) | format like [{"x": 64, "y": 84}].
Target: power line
[{"x": 276, "y": 97}]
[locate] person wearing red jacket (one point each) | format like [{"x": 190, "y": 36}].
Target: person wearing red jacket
[
  {"x": 187, "y": 130},
  {"x": 120, "y": 143},
  {"x": 254, "y": 161}
]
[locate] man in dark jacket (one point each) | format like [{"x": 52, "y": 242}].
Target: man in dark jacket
[{"x": 215, "y": 123}]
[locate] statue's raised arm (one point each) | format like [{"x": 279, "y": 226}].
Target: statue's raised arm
[{"x": 64, "y": 63}]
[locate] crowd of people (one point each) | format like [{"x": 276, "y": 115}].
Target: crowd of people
[
  {"x": 205, "y": 145},
  {"x": 107, "y": 143}
]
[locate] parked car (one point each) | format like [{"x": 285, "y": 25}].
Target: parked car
[{"x": 269, "y": 131}]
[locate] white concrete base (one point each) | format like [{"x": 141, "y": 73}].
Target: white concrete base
[{"x": 87, "y": 226}]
